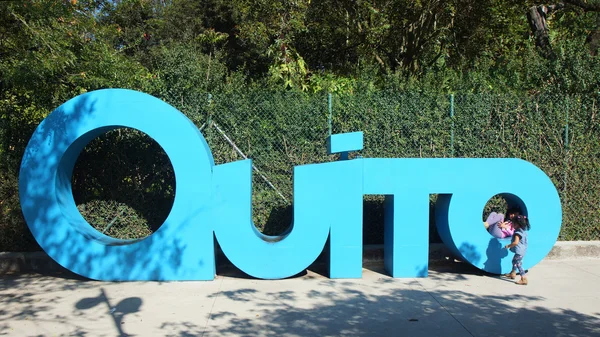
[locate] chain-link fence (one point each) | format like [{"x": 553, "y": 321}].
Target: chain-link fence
[
  {"x": 279, "y": 130},
  {"x": 124, "y": 185}
]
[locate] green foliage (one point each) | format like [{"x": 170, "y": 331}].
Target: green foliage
[
  {"x": 124, "y": 176},
  {"x": 14, "y": 234},
  {"x": 260, "y": 70},
  {"x": 281, "y": 130},
  {"x": 288, "y": 68},
  {"x": 115, "y": 219},
  {"x": 331, "y": 83},
  {"x": 186, "y": 72},
  {"x": 52, "y": 53}
]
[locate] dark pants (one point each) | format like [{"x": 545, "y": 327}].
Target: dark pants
[{"x": 517, "y": 263}]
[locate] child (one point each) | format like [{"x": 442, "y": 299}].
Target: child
[
  {"x": 519, "y": 247},
  {"x": 497, "y": 227}
]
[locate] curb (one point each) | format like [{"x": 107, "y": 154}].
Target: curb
[
  {"x": 40, "y": 262},
  {"x": 565, "y": 250}
]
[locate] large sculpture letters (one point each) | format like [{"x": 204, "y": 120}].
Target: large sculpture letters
[{"x": 328, "y": 200}]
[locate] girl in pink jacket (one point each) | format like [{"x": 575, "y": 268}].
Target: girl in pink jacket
[{"x": 499, "y": 228}]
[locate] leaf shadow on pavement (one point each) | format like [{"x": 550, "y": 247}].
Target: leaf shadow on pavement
[{"x": 386, "y": 307}]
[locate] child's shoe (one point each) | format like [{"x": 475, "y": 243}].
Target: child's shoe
[
  {"x": 522, "y": 281},
  {"x": 512, "y": 275}
]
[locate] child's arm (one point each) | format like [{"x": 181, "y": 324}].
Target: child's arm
[
  {"x": 504, "y": 224},
  {"x": 514, "y": 242},
  {"x": 509, "y": 230},
  {"x": 506, "y": 228}
]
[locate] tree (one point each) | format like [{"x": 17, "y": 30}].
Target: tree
[
  {"x": 51, "y": 52},
  {"x": 538, "y": 16}
]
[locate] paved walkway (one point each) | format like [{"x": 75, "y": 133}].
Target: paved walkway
[{"x": 562, "y": 299}]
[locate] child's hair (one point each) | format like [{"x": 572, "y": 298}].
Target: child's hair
[
  {"x": 522, "y": 221},
  {"x": 513, "y": 210}
]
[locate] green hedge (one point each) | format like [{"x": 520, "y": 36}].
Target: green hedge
[
  {"x": 560, "y": 134},
  {"x": 124, "y": 178}
]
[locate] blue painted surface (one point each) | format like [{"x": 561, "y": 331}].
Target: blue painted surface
[
  {"x": 464, "y": 187},
  {"x": 328, "y": 204},
  {"x": 345, "y": 142},
  {"x": 181, "y": 249}
]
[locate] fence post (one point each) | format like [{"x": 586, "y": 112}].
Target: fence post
[
  {"x": 567, "y": 126},
  {"x": 329, "y": 108},
  {"x": 452, "y": 125},
  {"x": 566, "y": 135},
  {"x": 209, "y": 109}
]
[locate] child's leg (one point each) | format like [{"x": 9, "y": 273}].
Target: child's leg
[
  {"x": 494, "y": 218},
  {"x": 491, "y": 224},
  {"x": 518, "y": 263},
  {"x": 513, "y": 272},
  {"x": 495, "y": 231}
]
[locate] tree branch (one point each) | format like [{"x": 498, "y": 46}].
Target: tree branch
[
  {"x": 32, "y": 30},
  {"x": 593, "y": 5}
]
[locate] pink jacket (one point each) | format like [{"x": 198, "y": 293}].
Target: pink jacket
[{"x": 506, "y": 232}]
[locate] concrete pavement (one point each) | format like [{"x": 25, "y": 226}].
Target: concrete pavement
[{"x": 562, "y": 299}]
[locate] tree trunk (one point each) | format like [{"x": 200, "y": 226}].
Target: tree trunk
[{"x": 539, "y": 26}]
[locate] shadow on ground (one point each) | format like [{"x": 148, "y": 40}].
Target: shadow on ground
[
  {"x": 396, "y": 312},
  {"x": 309, "y": 305},
  {"x": 29, "y": 307}
]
